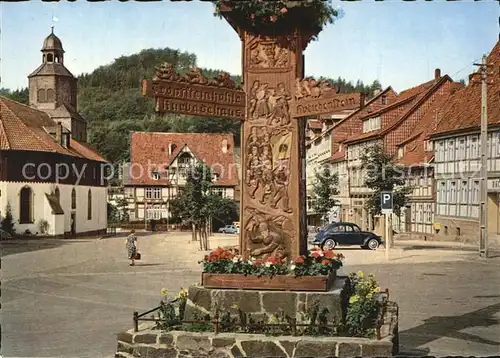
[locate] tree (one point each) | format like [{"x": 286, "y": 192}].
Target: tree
[
  {"x": 196, "y": 205},
  {"x": 122, "y": 205},
  {"x": 7, "y": 223},
  {"x": 112, "y": 213},
  {"x": 383, "y": 174},
  {"x": 325, "y": 188},
  {"x": 19, "y": 95}
]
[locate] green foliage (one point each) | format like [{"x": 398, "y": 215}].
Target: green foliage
[
  {"x": 325, "y": 188},
  {"x": 122, "y": 205},
  {"x": 279, "y": 15},
  {"x": 364, "y": 305},
  {"x": 196, "y": 204},
  {"x": 382, "y": 174},
  {"x": 171, "y": 311},
  {"x": 19, "y": 95},
  {"x": 113, "y": 215},
  {"x": 110, "y": 99},
  {"x": 7, "y": 223},
  {"x": 43, "y": 226}
]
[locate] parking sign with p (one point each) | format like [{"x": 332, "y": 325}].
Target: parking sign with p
[{"x": 386, "y": 203}]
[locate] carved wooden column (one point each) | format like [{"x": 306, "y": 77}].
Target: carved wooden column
[{"x": 273, "y": 199}]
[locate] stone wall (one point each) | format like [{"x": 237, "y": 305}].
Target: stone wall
[
  {"x": 202, "y": 301},
  {"x": 180, "y": 344}
]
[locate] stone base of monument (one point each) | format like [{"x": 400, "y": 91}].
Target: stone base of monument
[
  {"x": 296, "y": 304},
  {"x": 155, "y": 343}
]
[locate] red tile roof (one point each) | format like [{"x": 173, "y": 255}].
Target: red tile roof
[
  {"x": 23, "y": 128},
  {"x": 406, "y": 103},
  {"x": 152, "y": 148},
  {"x": 414, "y": 152},
  {"x": 463, "y": 111},
  {"x": 351, "y": 125}
]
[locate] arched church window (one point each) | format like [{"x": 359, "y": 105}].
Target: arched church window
[
  {"x": 41, "y": 96},
  {"x": 73, "y": 199},
  {"x": 89, "y": 207},
  {"x": 50, "y": 57},
  {"x": 26, "y": 206},
  {"x": 51, "y": 95}
]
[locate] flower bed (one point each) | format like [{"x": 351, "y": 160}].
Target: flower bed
[
  {"x": 225, "y": 268},
  {"x": 366, "y": 309},
  {"x": 277, "y": 16}
]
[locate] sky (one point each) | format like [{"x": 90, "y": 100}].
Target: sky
[{"x": 397, "y": 42}]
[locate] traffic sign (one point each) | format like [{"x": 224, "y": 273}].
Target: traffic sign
[{"x": 386, "y": 202}]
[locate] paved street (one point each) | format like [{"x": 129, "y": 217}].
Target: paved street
[{"x": 69, "y": 298}]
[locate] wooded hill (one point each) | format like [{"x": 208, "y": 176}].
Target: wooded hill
[{"x": 111, "y": 101}]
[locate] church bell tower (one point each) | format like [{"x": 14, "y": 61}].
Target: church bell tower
[{"x": 53, "y": 88}]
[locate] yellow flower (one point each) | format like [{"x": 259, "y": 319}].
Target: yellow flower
[
  {"x": 369, "y": 295},
  {"x": 164, "y": 291},
  {"x": 273, "y": 319},
  {"x": 353, "y": 299},
  {"x": 183, "y": 293},
  {"x": 361, "y": 274},
  {"x": 376, "y": 290},
  {"x": 235, "y": 306}
]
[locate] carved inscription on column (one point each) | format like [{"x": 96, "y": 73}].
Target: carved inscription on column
[{"x": 270, "y": 136}]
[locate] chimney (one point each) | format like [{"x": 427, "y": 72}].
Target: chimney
[
  {"x": 437, "y": 74},
  {"x": 362, "y": 99},
  {"x": 59, "y": 133}
]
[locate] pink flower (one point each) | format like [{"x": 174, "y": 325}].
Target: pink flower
[{"x": 284, "y": 10}]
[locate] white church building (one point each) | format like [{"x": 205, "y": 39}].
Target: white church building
[{"x": 52, "y": 182}]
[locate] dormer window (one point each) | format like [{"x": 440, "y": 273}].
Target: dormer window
[
  {"x": 215, "y": 177},
  {"x": 383, "y": 100},
  {"x": 371, "y": 124},
  {"x": 155, "y": 176}
]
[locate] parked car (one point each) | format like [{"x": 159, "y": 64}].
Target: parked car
[
  {"x": 344, "y": 233},
  {"x": 229, "y": 229},
  {"x": 4, "y": 235}
]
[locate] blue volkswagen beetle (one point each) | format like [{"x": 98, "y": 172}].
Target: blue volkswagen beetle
[{"x": 344, "y": 233}]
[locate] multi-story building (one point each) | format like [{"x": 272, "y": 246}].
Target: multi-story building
[
  {"x": 458, "y": 158},
  {"x": 318, "y": 152},
  {"x": 54, "y": 183},
  {"x": 387, "y": 127},
  {"x": 159, "y": 168},
  {"x": 416, "y": 155},
  {"x": 352, "y": 125}
]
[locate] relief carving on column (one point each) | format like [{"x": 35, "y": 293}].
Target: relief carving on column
[
  {"x": 267, "y": 173},
  {"x": 267, "y": 235},
  {"x": 271, "y": 104},
  {"x": 314, "y": 89}
]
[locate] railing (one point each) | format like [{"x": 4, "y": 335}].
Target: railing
[{"x": 293, "y": 325}]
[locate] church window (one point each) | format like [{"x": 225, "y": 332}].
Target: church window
[
  {"x": 73, "y": 199},
  {"x": 26, "y": 206},
  {"x": 41, "y": 95},
  {"x": 89, "y": 207},
  {"x": 51, "y": 95}
]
